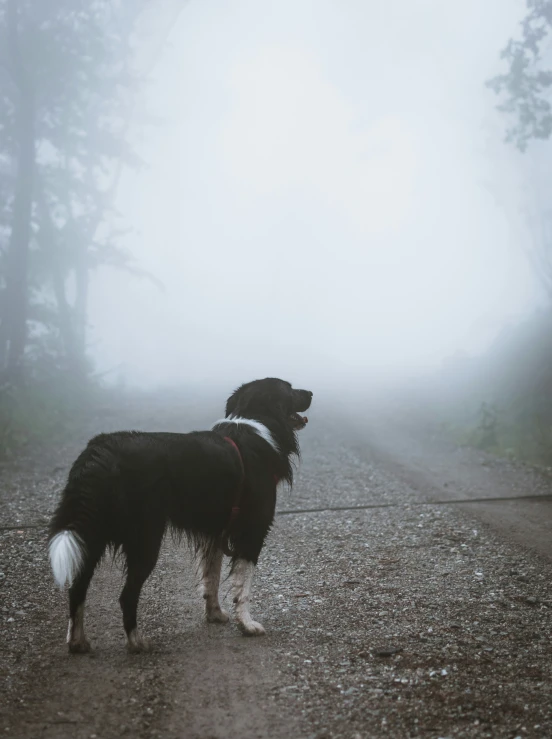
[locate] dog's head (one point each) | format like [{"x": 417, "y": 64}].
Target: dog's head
[{"x": 271, "y": 399}]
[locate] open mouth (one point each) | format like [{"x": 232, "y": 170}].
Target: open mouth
[
  {"x": 298, "y": 422},
  {"x": 301, "y": 402}
]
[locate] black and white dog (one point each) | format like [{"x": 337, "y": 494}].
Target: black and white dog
[{"x": 218, "y": 488}]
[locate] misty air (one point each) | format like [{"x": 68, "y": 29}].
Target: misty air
[{"x": 275, "y": 369}]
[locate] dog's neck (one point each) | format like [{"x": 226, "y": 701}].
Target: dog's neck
[{"x": 259, "y": 427}]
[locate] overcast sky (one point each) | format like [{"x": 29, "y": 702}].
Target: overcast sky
[{"x": 319, "y": 199}]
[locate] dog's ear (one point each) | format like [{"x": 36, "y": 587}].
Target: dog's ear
[
  {"x": 230, "y": 406},
  {"x": 232, "y": 402}
]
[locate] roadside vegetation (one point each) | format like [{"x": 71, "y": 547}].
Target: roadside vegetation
[{"x": 501, "y": 402}]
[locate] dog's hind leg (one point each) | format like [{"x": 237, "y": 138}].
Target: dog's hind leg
[
  {"x": 211, "y": 563},
  {"x": 141, "y": 560},
  {"x": 76, "y": 640}
]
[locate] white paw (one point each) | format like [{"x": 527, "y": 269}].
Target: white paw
[
  {"x": 251, "y": 628},
  {"x": 216, "y": 616}
]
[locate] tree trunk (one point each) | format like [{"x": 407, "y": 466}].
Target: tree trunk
[
  {"x": 14, "y": 321},
  {"x": 48, "y": 240},
  {"x": 81, "y": 302}
]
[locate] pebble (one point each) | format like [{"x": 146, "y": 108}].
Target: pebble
[{"x": 386, "y": 651}]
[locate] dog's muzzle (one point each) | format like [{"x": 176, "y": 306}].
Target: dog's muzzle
[{"x": 301, "y": 402}]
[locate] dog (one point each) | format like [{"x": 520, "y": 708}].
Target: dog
[{"x": 217, "y": 488}]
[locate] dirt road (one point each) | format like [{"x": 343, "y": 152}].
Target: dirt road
[{"x": 407, "y": 618}]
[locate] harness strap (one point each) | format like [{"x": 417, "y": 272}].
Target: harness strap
[
  {"x": 236, "y": 506},
  {"x": 239, "y": 490}
]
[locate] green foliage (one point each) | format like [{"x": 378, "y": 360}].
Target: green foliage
[
  {"x": 526, "y": 85},
  {"x": 485, "y": 434}
]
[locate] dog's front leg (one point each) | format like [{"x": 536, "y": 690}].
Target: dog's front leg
[
  {"x": 211, "y": 565},
  {"x": 243, "y": 578}
]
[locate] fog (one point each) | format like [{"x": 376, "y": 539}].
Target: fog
[{"x": 327, "y": 196}]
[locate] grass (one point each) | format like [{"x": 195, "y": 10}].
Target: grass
[{"x": 43, "y": 413}]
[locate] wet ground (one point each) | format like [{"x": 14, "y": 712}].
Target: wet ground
[{"x": 412, "y": 616}]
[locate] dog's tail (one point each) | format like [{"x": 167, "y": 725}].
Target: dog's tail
[
  {"x": 66, "y": 550},
  {"x": 75, "y": 541}
]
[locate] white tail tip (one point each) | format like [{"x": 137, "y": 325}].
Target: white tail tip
[{"x": 66, "y": 556}]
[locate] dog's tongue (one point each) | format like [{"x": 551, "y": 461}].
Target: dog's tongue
[{"x": 304, "y": 419}]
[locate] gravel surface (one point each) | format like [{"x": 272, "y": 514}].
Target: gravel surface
[{"x": 403, "y": 621}]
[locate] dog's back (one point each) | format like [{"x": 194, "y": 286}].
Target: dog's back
[{"x": 126, "y": 484}]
